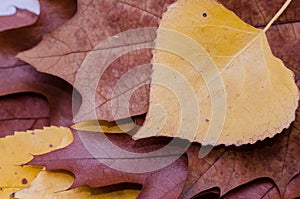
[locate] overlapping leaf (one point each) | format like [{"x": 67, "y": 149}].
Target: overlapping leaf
[
  {"x": 225, "y": 69},
  {"x": 283, "y": 40},
  {"x": 55, "y": 184},
  {"x": 19, "y": 149}
]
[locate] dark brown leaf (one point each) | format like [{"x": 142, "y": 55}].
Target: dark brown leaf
[{"x": 21, "y": 112}]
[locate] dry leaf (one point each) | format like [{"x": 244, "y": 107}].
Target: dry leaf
[
  {"x": 98, "y": 171},
  {"x": 284, "y": 42},
  {"x": 120, "y": 126},
  {"x": 19, "y": 149},
  {"x": 261, "y": 188},
  {"x": 21, "y": 112},
  {"x": 293, "y": 190},
  {"x": 228, "y": 167},
  {"x": 55, "y": 185},
  {"x": 63, "y": 53},
  {"x": 20, "y": 19},
  {"x": 237, "y": 91}
]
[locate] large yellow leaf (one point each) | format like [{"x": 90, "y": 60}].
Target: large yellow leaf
[
  {"x": 54, "y": 185},
  {"x": 19, "y": 149},
  {"x": 215, "y": 79}
]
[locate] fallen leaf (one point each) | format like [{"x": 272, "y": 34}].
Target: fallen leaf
[
  {"x": 283, "y": 40},
  {"x": 229, "y": 167},
  {"x": 21, "y": 18},
  {"x": 107, "y": 168},
  {"x": 56, "y": 184},
  {"x": 19, "y": 77},
  {"x": 116, "y": 16},
  {"x": 261, "y": 188},
  {"x": 19, "y": 149},
  {"x": 121, "y": 126},
  {"x": 292, "y": 190},
  {"x": 21, "y": 112},
  {"x": 94, "y": 23},
  {"x": 25, "y": 78},
  {"x": 226, "y": 70},
  {"x": 54, "y": 13}
]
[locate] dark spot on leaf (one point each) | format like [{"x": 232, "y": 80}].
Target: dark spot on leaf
[
  {"x": 32, "y": 133},
  {"x": 50, "y": 145},
  {"x": 206, "y": 120},
  {"x": 24, "y": 181},
  {"x": 204, "y": 14},
  {"x": 12, "y": 195}
]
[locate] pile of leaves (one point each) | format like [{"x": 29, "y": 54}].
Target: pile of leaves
[{"x": 39, "y": 61}]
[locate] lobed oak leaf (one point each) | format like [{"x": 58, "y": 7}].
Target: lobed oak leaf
[
  {"x": 56, "y": 184},
  {"x": 20, "y": 148},
  {"x": 97, "y": 167}
]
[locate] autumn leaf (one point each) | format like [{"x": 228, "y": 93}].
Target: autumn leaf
[
  {"x": 261, "y": 188},
  {"x": 121, "y": 126},
  {"x": 276, "y": 158},
  {"x": 226, "y": 70},
  {"x": 284, "y": 43},
  {"x": 20, "y": 19},
  {"x": 56, "y": 184},
  {"x": 63, "y": 52},
  {"x": 120, "y": 168},
  {"x": 19, "y": 149},
  {"x": 292, "y": 190},
  {"x": 19, "y": 77},
  {"x": 22, "y": 111}
]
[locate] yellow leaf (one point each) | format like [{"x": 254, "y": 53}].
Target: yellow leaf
[
  {"x": 215, "y": 79},
  {"x": 54, "y": 185},
  {"x": 19, "y": 149},
  {"x": 120, "y": 126}
]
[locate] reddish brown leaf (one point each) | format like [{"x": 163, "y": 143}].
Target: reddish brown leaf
[
  {"x": 227, "y": 167},
  {"x": 164, "y": 183},
  {"x": 293, "y": 188},
  {"x": 53, "y": 13},
  {"x": 260, "y": 189},
  {"x": 19, "y": 77},
  {"x": 24, "y": 78},
  {"x": 20, "y": 19},
  {"x": 21, "y": 112},
  {"x": 63, "y": 50}
]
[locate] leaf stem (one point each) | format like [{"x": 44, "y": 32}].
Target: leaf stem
[{"x": 282, "y": 9}]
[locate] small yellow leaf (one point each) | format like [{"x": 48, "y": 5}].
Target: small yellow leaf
[
  {"x": 215, "y": 79},
  {"x": 120, "y": 126},
  {"x": 19, "y": 149},
  {"x": 54, "y": 185}
]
